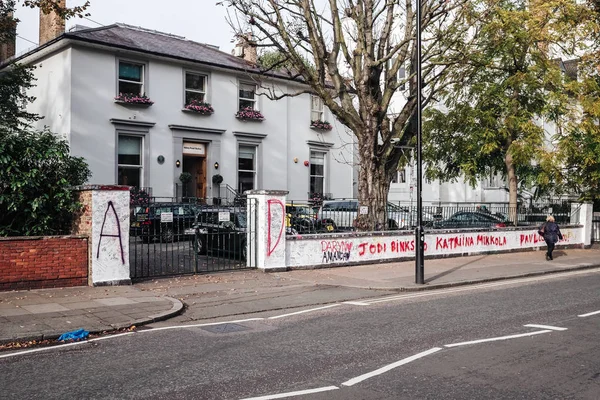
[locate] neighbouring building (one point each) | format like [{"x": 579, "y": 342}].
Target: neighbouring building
[{"x": 131, "y": 101}]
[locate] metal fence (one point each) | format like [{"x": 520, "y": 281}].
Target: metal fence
[
  {"x": 306, "y": 216},
  {"x": 170, "y": 236},
  {"x": 596, "y": 227}
]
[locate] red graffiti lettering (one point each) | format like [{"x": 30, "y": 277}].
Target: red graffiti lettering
[
  {"x": 362, "y": 249},
  {"x": 276, "y": 217}
]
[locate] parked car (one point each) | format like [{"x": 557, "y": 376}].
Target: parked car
[
  {"x": 301, "y": 218},
  {"x": 221, "y": 231},
  {"x": 408, "y": 219},
  {"x": 164, "y": 222},
  {"x": 470, "y": 219},
  {"x": 343, "y": 213}
]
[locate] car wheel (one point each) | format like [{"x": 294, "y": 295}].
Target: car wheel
[
  {"x": 167, "y": 235},
  {"x": 199, "y": 245}
]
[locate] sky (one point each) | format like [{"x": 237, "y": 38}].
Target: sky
[{"x": 199, "y": 20}]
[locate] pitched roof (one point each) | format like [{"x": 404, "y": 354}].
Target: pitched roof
[{"x": 157, "y": 43}]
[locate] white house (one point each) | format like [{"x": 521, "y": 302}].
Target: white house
[{"x": 80, "y": 73}]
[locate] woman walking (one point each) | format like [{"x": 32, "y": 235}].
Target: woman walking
[{"x": 551, "y": 233}]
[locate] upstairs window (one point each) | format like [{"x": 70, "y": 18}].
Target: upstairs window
[
  {"x": 195, "y": 88},
  {"x": 402, "y": 77},
  {"x": 400, "y": 177},
  {"x": 316, "y": 108},
  {"x": 131, "y": 78},
  {"x": 247, "y": 96}
]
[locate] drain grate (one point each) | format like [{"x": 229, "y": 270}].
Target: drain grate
[{"x": 225, "y": 328}]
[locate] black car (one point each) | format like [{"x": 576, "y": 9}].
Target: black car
[
  {"x": 164, "y": 222},
  {"x": 221, "y": 231},
  {"x": 301, "y": 218},
  {"x": 470, "y": 219}
]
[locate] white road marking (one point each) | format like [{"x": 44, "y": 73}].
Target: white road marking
[
  {"x": 111, "y": 336},
  {"x": 552, "y": 328},
  {"x": 497, "y": 338},
  {"x": 291, "y": 394},
  {"x": 380, "y": 371},
  {"x": 476, "y": 287},
  {"x": 60, "y": 346},
  {"x": 355, "y": 303},
  {"x": 304, "y": 311},
  {"x": 589, "y": 314},
  {"x": 20, "y": 353},
  {"x": 200, "y": 325}
]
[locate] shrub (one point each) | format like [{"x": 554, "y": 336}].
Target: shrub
[
  {"x": 217, "y": 179},
  {"x": 36, "y": 179}
]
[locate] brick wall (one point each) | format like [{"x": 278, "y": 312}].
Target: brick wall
[
  {"x": 43, "y": 262},
  {"x": 51, "y": 25}
]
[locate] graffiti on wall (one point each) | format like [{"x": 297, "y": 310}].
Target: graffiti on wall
[
  {"x": 111, "y": 207},
  {"x": 336, "y": 250},
  {"x": 342, "y": 249},
  {"x": 275, "y": 224}
]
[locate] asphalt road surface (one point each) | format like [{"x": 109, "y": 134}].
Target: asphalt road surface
[{"x": 532, "y": 339}]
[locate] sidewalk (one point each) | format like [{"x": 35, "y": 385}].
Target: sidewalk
[{"x": 47, "y": 313}]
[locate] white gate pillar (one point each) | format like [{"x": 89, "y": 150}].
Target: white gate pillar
[
  {"x": 105, "y": 219},
  {"x": 266, "y": 229},
  {"x": 583, "y": 214}
]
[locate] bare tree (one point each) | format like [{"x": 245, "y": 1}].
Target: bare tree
[{"x": 350, "y": 53}]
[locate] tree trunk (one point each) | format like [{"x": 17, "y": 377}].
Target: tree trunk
[
  {"x": 373, "y": 187},
  {"x": 512, "y": 188}
]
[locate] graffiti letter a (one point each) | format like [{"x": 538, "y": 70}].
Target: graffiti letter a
[{"x": 111, "y": 207}]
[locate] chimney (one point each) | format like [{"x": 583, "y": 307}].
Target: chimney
[
  {"x": 7, "y": 48},
  {"x": 51, "y": 24},
  {"x": 246, "y": 48}
]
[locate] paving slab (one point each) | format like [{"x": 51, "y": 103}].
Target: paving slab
[{"x": 47, "y": 313}]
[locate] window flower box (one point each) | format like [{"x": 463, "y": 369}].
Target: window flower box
[
  {"x": 321, "y": 125},
  {"x": 199, "y": 107},
  {"x": 133, "y": 99},
  {"x": 248, "y": 114}
]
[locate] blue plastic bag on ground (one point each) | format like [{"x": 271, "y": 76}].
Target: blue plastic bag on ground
[{"x": 79, "y": 334}]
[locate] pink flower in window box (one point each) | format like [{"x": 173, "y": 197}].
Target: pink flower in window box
[
  {"x": 131, "y": 98},
  {"x": 321, "y": 125},
  {"x": 249, "y": 114},
  {"x": 200, "y": 107}
]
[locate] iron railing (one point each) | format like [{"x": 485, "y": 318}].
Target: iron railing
[
  {"x": 172, "y": 236},
  {"x": 304, "y": 216}
]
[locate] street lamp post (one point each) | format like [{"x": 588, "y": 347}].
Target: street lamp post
[{"x": 419, "y": 234}]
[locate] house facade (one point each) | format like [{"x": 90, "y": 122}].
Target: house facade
[
  {"x": 403, "y": 188},
  {"x": 132, "y": 102}
]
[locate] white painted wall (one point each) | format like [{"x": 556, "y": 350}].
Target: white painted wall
[
  {"x": 109, "y": 242},
  {"x": 52, "y": 91},
  {"x": 315, "y": 250}
]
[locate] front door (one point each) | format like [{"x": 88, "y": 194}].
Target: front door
[{"x": 196, "y": 166}]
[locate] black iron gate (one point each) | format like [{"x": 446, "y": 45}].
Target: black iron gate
[
  {"x": 174, "y": 238},
  {"x": 596, "y": 226}
]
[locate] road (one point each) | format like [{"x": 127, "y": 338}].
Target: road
[{"x": 461, "y": 343}]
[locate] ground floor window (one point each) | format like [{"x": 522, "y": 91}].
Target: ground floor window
[
  {"x": 130, "y": 160},
  {"x": 317, "y": 172},
  {"x": 246, "y": 168}
]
